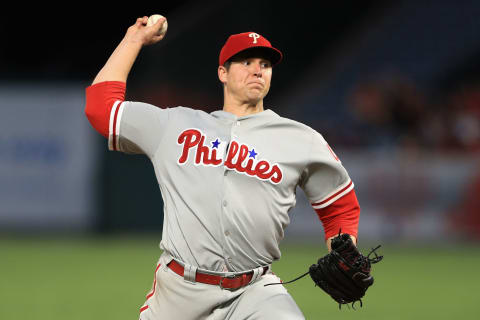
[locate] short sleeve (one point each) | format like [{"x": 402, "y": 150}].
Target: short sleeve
[
  {"x": 136, "y": 127},
  {"x": 324, "y": 179}
]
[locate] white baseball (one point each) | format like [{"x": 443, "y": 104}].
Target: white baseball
[{"x": 153, "y": 19}]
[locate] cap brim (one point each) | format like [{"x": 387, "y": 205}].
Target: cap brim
[{"x": 272, "y": 54}]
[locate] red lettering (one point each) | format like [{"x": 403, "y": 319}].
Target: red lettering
[
  {"x": 261, "y": 168},
  {"x": 202, "y": 150},
  {"x": 248, "y": 168},
  {"x": 262, "y": 171},
  {"x": 236, "y": 158},
  {"x": 203, "y": 154},
  {"x": 232, "y": 151},
  {"x": 214, "y": 159},
  {"x": 242, "y": 155},
  {"x": 189, "y": 139},
  {"x": 276, "y": 171}
]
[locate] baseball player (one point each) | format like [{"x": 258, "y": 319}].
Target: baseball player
[{"x": 227, "y": 178}]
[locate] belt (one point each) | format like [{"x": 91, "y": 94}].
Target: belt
[{"x": 228, "y": 282}]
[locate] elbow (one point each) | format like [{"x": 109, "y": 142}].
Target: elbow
[
  {"x": 99, "y": 101},
  {"x": 89, "y": 113},
  {"x": 98, "y": 120}
]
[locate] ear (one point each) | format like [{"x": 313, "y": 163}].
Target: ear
[{"x": 222, "y": 74}]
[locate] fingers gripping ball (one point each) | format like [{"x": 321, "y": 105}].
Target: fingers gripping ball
[{"x": 153, "y": 19}]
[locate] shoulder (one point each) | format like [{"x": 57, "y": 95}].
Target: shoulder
[
  {"x": 189, "y": 112},
  {"x": 297, "y": 127}
]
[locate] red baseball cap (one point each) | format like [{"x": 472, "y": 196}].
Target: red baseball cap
[{"x": 243, "y": 41}]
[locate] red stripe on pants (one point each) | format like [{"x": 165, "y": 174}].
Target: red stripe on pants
[{"x": 153, "y": 289}]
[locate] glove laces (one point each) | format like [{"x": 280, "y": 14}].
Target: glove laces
[
  {"x": 375, "y": 259},
  {"x": 297, "y": 278}
]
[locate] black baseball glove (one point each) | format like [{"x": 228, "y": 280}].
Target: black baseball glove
[{"x": 344, "y": 273}]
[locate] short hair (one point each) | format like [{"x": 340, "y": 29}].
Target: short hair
[{"x": 227, "y": 64}]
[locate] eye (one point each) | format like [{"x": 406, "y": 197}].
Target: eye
[
  {"x": 266, "y": 64},
  {"x": 246, "y": 62}
]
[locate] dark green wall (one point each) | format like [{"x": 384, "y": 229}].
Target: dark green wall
[{"x": 129, "y": 198}]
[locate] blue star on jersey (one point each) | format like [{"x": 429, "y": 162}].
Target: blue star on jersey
[
  {"x": 235, "y": 156},
  {"x": 215, "y": 144}
]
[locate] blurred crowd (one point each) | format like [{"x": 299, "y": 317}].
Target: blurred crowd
[{"x": 393, "y": 111}]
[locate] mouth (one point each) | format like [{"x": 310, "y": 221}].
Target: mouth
[{"x": 257, "y": 84}]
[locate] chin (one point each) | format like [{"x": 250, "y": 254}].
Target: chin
[
  {"x": 254, "y": 100},
  {"x": 255, "y": 97}
]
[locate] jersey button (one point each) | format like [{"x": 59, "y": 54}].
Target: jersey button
[
  {"x": 224, "y": 203},
  {"x": 227, "y": 233}
]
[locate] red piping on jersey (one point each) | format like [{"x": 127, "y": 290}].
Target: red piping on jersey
[
  {"x": 332, "y": 196},
  {"x": 114, "y": 133},
  {"x": 100, "y": 98},
  {"x": 145, "y": 307},
  {"x": 343, "y": 214}
]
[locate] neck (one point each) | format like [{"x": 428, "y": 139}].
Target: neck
[{"x": 242, "y": 109}]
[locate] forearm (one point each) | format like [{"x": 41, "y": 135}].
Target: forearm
[
  {"x": 340, "y": 216},
  {"x": 109, "y": 85},
  {"x": 120, "y": 62}
]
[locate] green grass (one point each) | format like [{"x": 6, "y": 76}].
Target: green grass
[{"x": 107, "y": 278}]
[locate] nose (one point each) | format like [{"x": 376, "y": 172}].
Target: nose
[{"x": 257, "y": 69}]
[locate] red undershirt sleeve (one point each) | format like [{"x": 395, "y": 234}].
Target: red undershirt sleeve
[
  {"x": 343, "y": 214},
  {"x": 100, "y": 99}
]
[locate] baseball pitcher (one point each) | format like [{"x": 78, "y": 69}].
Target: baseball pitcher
[{"x": 228, "y": 180}]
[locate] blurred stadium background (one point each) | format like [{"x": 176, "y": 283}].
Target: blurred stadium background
[{"x": 393, "y": 86}]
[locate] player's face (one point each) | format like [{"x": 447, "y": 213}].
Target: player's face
[{"x": 248, "y": 79}]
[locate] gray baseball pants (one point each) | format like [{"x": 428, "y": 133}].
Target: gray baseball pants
[{"x": 174, "y": 298}]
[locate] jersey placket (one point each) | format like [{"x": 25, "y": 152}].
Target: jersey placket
[{"x": 226, "y": 227}]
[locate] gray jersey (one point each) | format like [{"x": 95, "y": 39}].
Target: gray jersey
[{"x": 228, "y": 182}]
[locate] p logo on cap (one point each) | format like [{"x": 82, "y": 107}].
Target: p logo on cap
[
  {"x": 237, "y": 43},
  {"x": 255, "y": 36}
]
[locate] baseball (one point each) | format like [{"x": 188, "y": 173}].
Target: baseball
[{"x": 153, "y": 19}]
